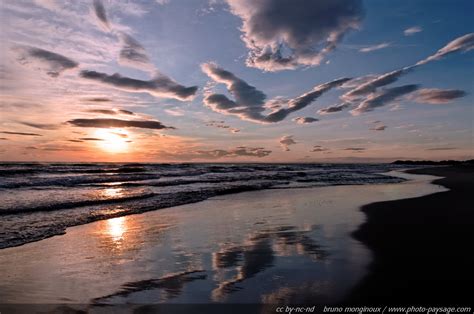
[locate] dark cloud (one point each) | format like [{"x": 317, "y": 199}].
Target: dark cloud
[
  {"x": 355, "y": 149},
  {"x": 111, "y": 111},
  {"x": 123, "y": 111},
  {"x": 286, "y": 34},
  {"x": 436, "y": 96},
  {"x": 442, "y": 148},
  {"x": 53, "y": 63},
  {"x": 103, "y": 111},
  {"x": 133, "y": 54},
  {"x": 250, "y": 103},
  {"x": 41, "y": 126},
  {"x": 3, "y": 139},
  {"x": 318, "y": 148},
  {"x": 90, "y": 139},
  {"x": 20, "y": 133},
  {"x": 240, "y": 151},
  {"x": 117, "y": 123},
  {"x": 101, "y": 14},
  {"x": 99, "y": 99},
  {"x": 286, "y": 141},
  {"x": 161, "y": 86},
  {"x": 75, "y": 141},
  {"x": 334, "y": 108},
  {"x": 305, "y": 120},
  {"x": 222, "y": 125},
  {"x": 383, "y": 98}
]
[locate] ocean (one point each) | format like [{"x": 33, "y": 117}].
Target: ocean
[{"x": 40, "y": 200}]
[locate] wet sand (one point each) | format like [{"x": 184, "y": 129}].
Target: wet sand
[
  {"x": 423, "y": 247},
  {"x": 271, "y": 246}
]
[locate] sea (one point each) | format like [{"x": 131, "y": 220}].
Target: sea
[{"x": 40, "y": 200}]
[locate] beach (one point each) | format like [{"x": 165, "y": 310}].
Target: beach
[
  {"x": 423, "y": 247},
  {"x": 278, "y": 246}
]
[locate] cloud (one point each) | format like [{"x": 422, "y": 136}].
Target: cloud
[
  {"x": 161, "y": 86},
  {"x": 176, "y": 112},
  {"x": 127, "y": 112},
  {"x": 133, "y": 54},
  {"x": 101, "y": 14},
  {"x": 286, "y": 34},
  {"x": 379, "y": 128},
  {"x": 412, "y": 30},
  {"x": 442, "y": 148},
  {"x": 240, "y": 151},
  {"x": 99, "y": 99},
  {"x": 383, "y": 98},
  {"x": 20, "y": 133},
  {"x": 318, "y": 148},
  {"x": 463, "y": 44},
  {"x": 436, "y": 96},
  {"x": 111, "y": 111},
  {"x": 374, "y": 47},
  {"x": 334, "y": 108},
  {"x": 305, "y": 120},
  {"x": 286, "y": 141},
  {"x": 250, "y": 103},
  {"x": 460, "y": 44},
  {"x": 53, "y": 63},
  {"x": 117, "y": 123},
  {"x": 372, "y": 85},
  {"x": 90, "y": 139},
  {"x": 355, "y": 149},
  {"x": 42, "y": 126},
  {"x": 222, "y": 125}
]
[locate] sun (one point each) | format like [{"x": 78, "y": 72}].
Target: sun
[{"x": 113, "y": 140}]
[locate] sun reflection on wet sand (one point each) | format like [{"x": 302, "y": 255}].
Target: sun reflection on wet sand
[
  {"x": 116, "y": 228},
  {"x": 112, "y": 192}
]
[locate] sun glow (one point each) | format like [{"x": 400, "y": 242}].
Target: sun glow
[{"x": 112, "y": 140}]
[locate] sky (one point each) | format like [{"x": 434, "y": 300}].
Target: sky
[{"x": 236, "y": 80}]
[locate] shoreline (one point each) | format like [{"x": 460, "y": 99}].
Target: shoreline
[
  {"x": 423, "y": 246},
  {"x": 252, "y": 247}
]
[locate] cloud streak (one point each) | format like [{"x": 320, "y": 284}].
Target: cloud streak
[
  {"x": 101, "y": 14},
  {"x": 20, "y": 133},
  {"x": 118, "y": 123},
  {"x": 250, "y": 103},
  {"x": 412, "y": 30},
  {"x": 436, "y": 96},
  {"x": 53, "y": 63},
  {"x": 383, "y": 98},
  {"x": 161, "y": 86},
  {"x": 241, "y": 151},
  {"x": 334, "y": 108},
  {"x": 375, "y": 47},
  {"x": 305, "y": 120},
  {"x": 133, "y": 54}
]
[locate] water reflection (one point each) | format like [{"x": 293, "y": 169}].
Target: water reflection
[
  {"x": 172, "y": 286},
  {"x": 257, "y": 254},
  {"x": 112, "y": 192},
  {"x": 116, "y": 228}
]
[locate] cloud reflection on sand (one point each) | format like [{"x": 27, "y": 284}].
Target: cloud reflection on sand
[{"x": 258, "y": 254}]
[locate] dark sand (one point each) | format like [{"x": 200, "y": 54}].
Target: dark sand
[{"x": 423, "y": 247}]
